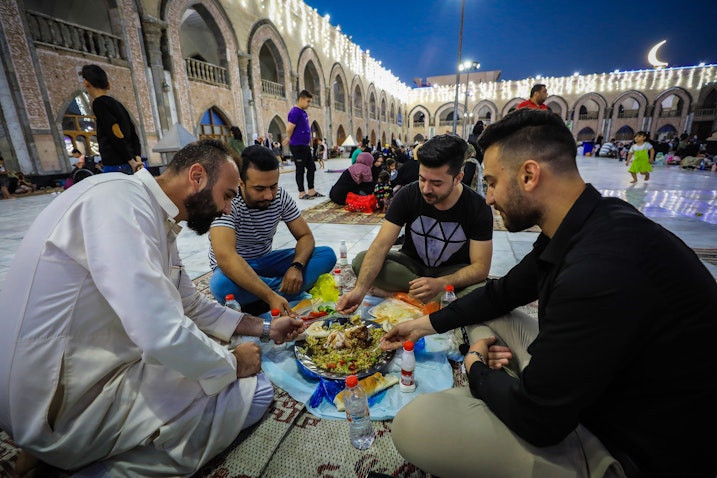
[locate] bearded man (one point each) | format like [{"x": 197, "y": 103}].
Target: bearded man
[{"x": 106, "y": 362}]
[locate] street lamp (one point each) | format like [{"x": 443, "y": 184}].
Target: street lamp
[
  {"x": 458, "y": 72},
  {"x": 468, "y": 66}
]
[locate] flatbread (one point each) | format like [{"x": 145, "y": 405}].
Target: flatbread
[
  {"x": 372, "y": 385},
  {"x": 394, "y": 311}
]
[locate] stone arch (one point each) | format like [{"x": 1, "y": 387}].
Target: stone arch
[
  {"x": 372, "y": 137},
  {"x": 624, "y": 133},
  {"x": 340, "y": 134},
  {"x": 486, "y": 111},
  {"x": 316, "y": 131},
  {"x": 277, "y": 128},
  {"x": 638, "y": 97},
  {"x": 510, "y": 106},
  {"x": 339, "y": 88},
  {"x": 264, "y": 34},
  {"x": 559, "y": 104},
  {"x": 444, "y": 114},
  {"x": 382, "y": 108},
  {"x": 426, "y": 115},
  {"x": 359, "y": 135},
  {"x": 661, "y": 117},
  {"x": 372, "y": 100},
  {"x": 173, "y": 14},
  {"x": 308, "y": 59},
  {"x": 358, "y": 98},
  {"x": 392, "y": 111}
]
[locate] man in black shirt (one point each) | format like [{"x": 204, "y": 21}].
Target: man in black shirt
[
  {"x": 448, "y": 233},
  {"x": 617, "y": 377},
  {"x": 118, "y": 141}
]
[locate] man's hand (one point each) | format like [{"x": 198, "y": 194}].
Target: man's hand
[
  {"x": 499, "y": 356},
  {"x": 285, "y": 329},
  {"x": 292, "y": 281},
  {"x": 349, "y": 302},
  {"x": 136, "y": 164},
  {"x": 426, "y": 288},
  {"x": 285, "y": 141},
  {"x": 409, "y": 330},
  {"x": 281, "y": 304},
  {"x": 481, "y": 346},
  {"x": 248, "y": 355}
]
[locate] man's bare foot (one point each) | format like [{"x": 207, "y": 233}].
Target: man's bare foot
[{"x": 26, "y": 465}]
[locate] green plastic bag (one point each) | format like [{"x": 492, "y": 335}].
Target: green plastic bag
[{"x": 325, "y": 289}]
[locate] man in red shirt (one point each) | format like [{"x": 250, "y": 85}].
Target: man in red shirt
[{"x": 538, "y": 95}]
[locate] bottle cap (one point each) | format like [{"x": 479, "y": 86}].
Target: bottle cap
[
  {"x": 275, "y": 312},
  {"x": 408, "y": 345},
  {"x": 337, "y": 271},
  {"x": 351, "y": 381},
  {"x": 229, "y": 297},
  {"x": 449, "y": 288}
]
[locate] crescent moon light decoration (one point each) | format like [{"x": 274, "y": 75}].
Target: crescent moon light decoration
[{"x": 652, "y": 56}]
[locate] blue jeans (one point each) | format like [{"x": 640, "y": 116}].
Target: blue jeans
[{"x": 271, "y": 269}]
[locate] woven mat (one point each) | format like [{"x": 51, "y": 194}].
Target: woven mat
[
  {"x": 330, "y": 212},
  {"x": 277, "y": 446},
  {"x": 707, "y": 255}
]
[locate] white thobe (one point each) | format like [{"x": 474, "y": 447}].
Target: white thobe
[{"x": 103, "y": 337}]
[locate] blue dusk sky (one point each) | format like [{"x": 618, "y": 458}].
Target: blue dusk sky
[{"x": 526, "y": 38}]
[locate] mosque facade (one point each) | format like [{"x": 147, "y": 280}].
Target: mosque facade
[{"x": 206, "y": 65}]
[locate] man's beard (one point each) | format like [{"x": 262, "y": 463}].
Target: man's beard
[
  {"x": 518, "y": 215},
  {"x": 201, "y": 211}
]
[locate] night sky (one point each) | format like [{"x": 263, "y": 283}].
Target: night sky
[{"x": 526, "y": 38}]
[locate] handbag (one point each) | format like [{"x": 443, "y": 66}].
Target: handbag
[{"x": 357, "y": 203}]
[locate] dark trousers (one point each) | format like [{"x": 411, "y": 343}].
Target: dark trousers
[{"x": 301, "y": 155}]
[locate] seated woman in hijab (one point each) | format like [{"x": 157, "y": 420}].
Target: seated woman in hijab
[{"x": 356, "y": 179}]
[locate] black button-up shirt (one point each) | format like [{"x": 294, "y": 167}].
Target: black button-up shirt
[{"x": 628, "y": 330}]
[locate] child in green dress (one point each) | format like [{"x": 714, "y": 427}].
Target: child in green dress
[{"x": 640, "y": 157}]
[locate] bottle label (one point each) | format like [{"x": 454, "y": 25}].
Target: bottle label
[{"x": 407, "y": 378}]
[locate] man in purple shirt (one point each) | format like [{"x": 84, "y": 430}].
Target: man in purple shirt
[{"x": 298, "y": 136}]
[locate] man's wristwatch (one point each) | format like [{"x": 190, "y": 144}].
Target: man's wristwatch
[
  {"x": 298, "y": 265},
  {"x": 477, "y": 354},
  {"x": 265, "y": 331}
]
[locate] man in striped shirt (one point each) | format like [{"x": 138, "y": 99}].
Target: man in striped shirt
[{"x": 240, "y": 252}]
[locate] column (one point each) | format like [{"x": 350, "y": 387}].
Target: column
[{"x": 153, "y": 28}]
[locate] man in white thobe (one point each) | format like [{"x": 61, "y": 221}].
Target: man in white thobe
[{"x": 106, "y": 364}]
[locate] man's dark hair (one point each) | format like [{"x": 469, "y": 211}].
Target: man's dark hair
[
  {"x": 236, "y": 132},
  {"x": 532, "y": 134},
  {"x": 444, "y": 149},
  {"x": 536, "y": 89},
  {"x": 210, "y": 153},
  {"x": 259, "y": 158},
  {"x": 96, "y": 76},
  {"x": 75, "y": 150},
  {"x": 305, "y": 94}
]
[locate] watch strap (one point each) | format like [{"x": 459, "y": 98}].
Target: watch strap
[
  {"x": 298, "y": 265},
  {"x": 477, "y": 354},
  {"x": 266, "y": 328}
]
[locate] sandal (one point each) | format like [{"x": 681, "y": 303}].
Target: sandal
[
  {"x": 317, "y": 195},
  {"x": 306, "y": 196}
]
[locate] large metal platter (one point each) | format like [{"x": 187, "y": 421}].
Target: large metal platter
[{"x": 308, "y": 364}]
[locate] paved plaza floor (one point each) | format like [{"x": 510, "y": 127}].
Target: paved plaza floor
[{"x": 683, "y": 201}]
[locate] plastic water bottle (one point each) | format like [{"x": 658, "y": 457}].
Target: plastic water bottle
[
  {"x": 231, "y": 302},
  {"x": 448, "y": 296},
  {"x": 337, "y": 280},
  {"x": 343, "y": 254},
  {"x": 358, "y": 415},
  {"x": 408, "y": 365}
]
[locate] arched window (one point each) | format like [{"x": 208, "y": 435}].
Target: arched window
[
  {"x": 78, "y": 126},
  {"x": 586, "y": 134},
  {"x": 625, "y": 134},
  {"x": 214, "y": 125},
  {"x": 339, "y": 96}
]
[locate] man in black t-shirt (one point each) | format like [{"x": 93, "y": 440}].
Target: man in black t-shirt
[
  {"x": 117, "y": 138},
  {"x": 448, "y": 228}
]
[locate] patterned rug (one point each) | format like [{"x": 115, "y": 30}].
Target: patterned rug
[
  {"x": 289, "y": 441},
  {"x": 330, "y": 212},
  {"x": 707, "y": 255}
]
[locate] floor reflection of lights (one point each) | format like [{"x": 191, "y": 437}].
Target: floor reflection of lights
[{"x": 700, "y": 205}]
